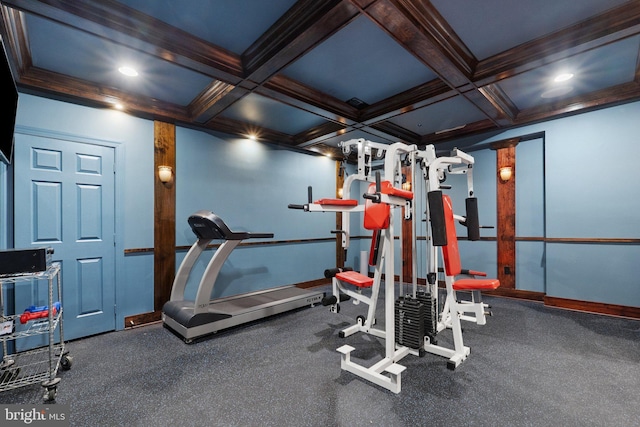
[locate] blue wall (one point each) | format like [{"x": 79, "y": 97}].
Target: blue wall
[
  {"x": 590, "y": 190},
  {"x": 248, "y": 184}
]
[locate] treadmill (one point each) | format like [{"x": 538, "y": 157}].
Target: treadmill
[{"x": 194, "y": 319}]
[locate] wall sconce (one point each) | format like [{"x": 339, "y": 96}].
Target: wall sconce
[
  {"x": 165, "y": 173},
  {"x": 505, "y": 173}
]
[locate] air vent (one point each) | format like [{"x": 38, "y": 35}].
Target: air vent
[{"x": 357, "y": 103}]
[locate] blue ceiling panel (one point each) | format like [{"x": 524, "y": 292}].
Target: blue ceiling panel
[
  {"x": 443, "y": 115},
  {"x": 489, "y": 27},
  {"x": 360, "y": 61},
  {"x": 60, "y": 49},
  {"x": 265, "y": 112},
  {"x": 231, "y": 24},
  {"x": 600, "y": 68}
]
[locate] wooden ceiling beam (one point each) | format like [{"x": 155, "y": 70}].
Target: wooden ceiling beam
[
  {"x": 409, "y": 100},
  {"x": 500, "y": 100},
  {"x": 626, "y": 92},
  {"x": 422, "y": 31},
  {"x": 292, "y": 92},
  {"x": 400, "y": 133},
  {"x": 207, "y": 98},
  {"x": 72, "y": 89},
  {"x": 139, "y": 32},
  {"x": 13, "y": 31},
  {"x": 243, "y": 130},
  {"x": 467, "y": 130},
  {"x": 608, "y": 27},
  {"x": 300, "y": 29},
  {"x": 328, "y": 128}
]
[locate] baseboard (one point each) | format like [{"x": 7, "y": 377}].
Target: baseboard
[
  {"x": 593, "y": 307},
  {"x": 517, "y": 293},
  {"x": 142, "y": 319},
  {"x": 313, "y": 283}
]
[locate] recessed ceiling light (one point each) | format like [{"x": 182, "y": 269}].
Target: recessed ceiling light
[
  {"x": 563, "y": 77},
  {"x": 128, "y": 71},
  {"x": 556, "y": 92}
]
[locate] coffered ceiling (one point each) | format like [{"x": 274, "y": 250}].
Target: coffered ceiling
[{"x": 307, "y": 74}]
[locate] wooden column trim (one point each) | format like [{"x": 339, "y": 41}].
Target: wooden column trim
[
  {"x": 506, "y": 213},
  {"x": 340, "y": 258},
  {"x": 164, "y": 230}
]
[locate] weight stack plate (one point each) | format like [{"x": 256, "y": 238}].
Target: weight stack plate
[
  {"x": 409, "y": 322},
  {"x": 430, "y": 314}
]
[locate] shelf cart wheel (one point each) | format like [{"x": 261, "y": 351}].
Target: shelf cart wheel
[
  {"x": 51, "y": 389},
  {"x": 65, "y": 362},
  {"x": 50, "y": 394}
]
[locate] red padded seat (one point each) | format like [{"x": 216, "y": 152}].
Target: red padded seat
[
  {"x": 355, "y": 278},
  {"x": 475, "y": 284}
]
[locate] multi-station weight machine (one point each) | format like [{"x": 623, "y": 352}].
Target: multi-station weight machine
[{"x": 413, "y": 320}]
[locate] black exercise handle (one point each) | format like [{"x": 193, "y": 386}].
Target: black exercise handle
[
  {"x": 337, "y": 231},
  {"x": 331, "y": 272},
  {"x": 303, "y": 207},
  {"x": 471, "y": 220},
  {"x": 375, "y": 197},
  {"x": 333, "y": 300}
]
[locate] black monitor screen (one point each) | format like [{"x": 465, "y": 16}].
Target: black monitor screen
[{"x": 9, "y": 108}]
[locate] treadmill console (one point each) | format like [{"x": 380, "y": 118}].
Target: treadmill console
[{"x": 207, "y": 225}]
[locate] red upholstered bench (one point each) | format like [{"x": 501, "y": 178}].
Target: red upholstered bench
[
  {"x": 475, "y": 284},
  {"x": 355, "y": 278}
]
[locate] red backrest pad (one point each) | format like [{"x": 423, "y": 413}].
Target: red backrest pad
[{"x": 376, "y": 215}]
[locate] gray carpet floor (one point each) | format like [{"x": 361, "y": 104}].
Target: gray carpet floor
[{"x": 529, "y": 366}]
